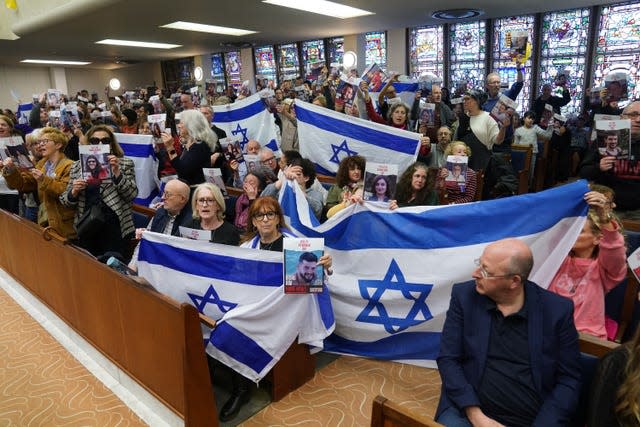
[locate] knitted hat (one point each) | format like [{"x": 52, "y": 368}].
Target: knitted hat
[{"x": 479, "y": 95}]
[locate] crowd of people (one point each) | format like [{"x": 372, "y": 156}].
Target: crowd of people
[{"x": 78, "y": 199}]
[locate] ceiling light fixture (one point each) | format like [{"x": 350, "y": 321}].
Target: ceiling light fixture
[
  {"x": 138, "y": 44},
  {"x": 198, "y": 73},
  {"x": 457, "y": 14},
  {"x": 114, "y": 84},
  {"x": 322, "y": 7},
  {"x": 51, "y": 62},
  {"x": 204, "y": 28},
  {"x": 349, "y": 60}
]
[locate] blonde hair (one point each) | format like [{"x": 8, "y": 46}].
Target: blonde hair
[
  {"x": 217, "y": 196},
  {"x": 450, "y": 146},
  {"x": 53, "y": 134}
]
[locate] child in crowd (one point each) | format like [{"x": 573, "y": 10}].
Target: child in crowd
[
  {"x": 528, "y": 134},
  {"x": 595, "y": 265}
]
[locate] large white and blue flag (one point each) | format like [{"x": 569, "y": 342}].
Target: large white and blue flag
[
  {"x": 406, "y": 91},
  {"x": 326, "y": 137},
  {"x": 139, "y": 148},
  {"x": 243, "y": 290},
  {"x": 393, "y": 270},
  {"x": 247, "y": 119}
]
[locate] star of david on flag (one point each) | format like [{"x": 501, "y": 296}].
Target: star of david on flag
[
  {"x": 375, "y": 312},
  {"x": 324, "y": 134},
  {"x": 210, "y": 297},
  {"x": 247, "y": 119}
]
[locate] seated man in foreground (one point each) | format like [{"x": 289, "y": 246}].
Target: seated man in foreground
[{"x": 509, "y": 350}]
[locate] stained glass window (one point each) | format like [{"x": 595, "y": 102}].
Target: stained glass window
[
  {"x": 426, "y": 48},
  {"x": 507, "y": 32},
  {"x": 468, "y": 51},
  {"x": 312, "y": 57},
  {"x": 217, "y": 81},
  {"x": 265, "y": 63},
  {"x": 376, "y": 49},
  {"x": 233, "y": 66},
  {"x": 618, "y": 48},
  {"x": 336, "y": 50},
  {"x": 564, "y": 48},
  {"x": 288, "y": 61}
]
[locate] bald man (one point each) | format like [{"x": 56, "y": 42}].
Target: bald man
[
  {"x": 175, "y": 212},
  {"x": 509, "y": 349}
]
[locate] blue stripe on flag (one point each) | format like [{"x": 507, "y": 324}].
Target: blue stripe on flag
[
  {"x": 146, "y": 201},
  {"x": 231, "y": 341},
  {"x": 405, "y": 87},
  {"x": 138, "y": 150},
  {"x": 356, "y": 131},
  {"x": 404, "y": 346},
  {"x": 220, "y": 267},
  {"x": 458, "y": 225},
  {"x": 240, "y": 113},
  {"x": 288, "y": 204}
]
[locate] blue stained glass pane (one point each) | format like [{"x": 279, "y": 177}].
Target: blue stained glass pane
[
  {"x": 289, "y": 61},
  {"x": 468, "y": 51},
  {"x": 233, "y": 66},
  {"x": 336, "y": 51},
  {"x": 265, "y": 63},
  {"x": 619, "y": 28}
]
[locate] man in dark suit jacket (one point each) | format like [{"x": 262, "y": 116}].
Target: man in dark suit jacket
[{"x": 509, "y": 349}]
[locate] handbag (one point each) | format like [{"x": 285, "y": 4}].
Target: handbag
[{"x": 92, "y": 221}]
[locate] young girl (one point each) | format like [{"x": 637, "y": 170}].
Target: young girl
[
  {"x": 528, "y": 135},
  {"x": 595, "y": 265},
  {"x": 455, "y": 192}
]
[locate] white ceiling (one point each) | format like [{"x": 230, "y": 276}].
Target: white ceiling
[{"x": 68, "y": 29}]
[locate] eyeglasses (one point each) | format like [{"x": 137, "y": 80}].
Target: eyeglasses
[
  {"x": 261, "y": 215},
  {"x": 168, "y": 194},
  {"x": 633, "y": 115},
  {"x": 43, "y": 141},
  {"x": 486, "y": 275},
  {"x": 269, "y": 160},
  {"x": 205, "y": 201},
  {"x": 95, "y": 141}
]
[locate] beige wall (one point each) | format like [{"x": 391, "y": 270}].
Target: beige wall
[{"x": 26, "y": 81}]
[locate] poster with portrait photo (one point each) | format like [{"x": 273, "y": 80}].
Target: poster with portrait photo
[
  {"x": 195, "y": 96},
  {"x": 457, "y": 171},
  {"x": 613, "y": 138},
  {"x": 156, "y": 104},
  {"x": 231, "y": 149},
  {"x": 214, "y": 176},
  {"x": 518, "y": 43},
  {"x": 157, "y": 124},
  {"x": 302, "y": 274},
  {"x": 380, "y": 181},
  {"x": 617, "y": 86},
  {"x": 253, "y": 162},
  {"x": 14, "y": 148},
  {"x": 94, "y": 161},
  {"x": 54, "y": 97},
  {"x": 504, "y": 110},
  {"x": 427, "y": 116},
  {"x": 69, "y": 116},
  {"x": 54, "y": 119},
  {"x": 375, "y": 77},
  {"x": 547, "y": 116},
  {"x": 347, "y": 89},
  {"x": 634, "y": 263}
]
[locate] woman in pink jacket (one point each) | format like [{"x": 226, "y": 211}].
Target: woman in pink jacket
[{"x": 595, "y": 265}]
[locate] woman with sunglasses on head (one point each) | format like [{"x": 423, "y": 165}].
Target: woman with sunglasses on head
[
  {"x": 208, "y": 208},
  {"x": 115, "y": 195},
  {"x": 50, "y": 178}
]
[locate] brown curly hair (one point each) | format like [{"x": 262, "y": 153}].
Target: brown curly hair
[{"x": 346, "y": 164}]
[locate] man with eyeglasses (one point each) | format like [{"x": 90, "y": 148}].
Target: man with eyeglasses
[
  {"x": 174, "y": 212},
  {"x": 509, "y": 349},
  {"x": 622, "y": 175}
]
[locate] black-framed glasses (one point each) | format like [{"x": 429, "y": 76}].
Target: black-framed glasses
[
  {"x": 632, "y": 115},
  {"x": 95, "y": 140},
  {"x": 261, "y": 215},
  {"x": 204, "y": 201},
  {"x": 267, "y": 161},
  {"x": 486, "y": 275}
]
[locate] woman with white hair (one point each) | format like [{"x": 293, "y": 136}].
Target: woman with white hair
[{"x": 198, "y": 142}]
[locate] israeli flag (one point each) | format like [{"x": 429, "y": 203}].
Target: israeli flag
[
  {"x": 393, "y": 270},
  {"x": 247, "y": 119},
  {"x": 326, "y": 137},
  {"x": 243, "y": 290},
  {"x": 139, "y": 148},
  {"x": 405, "y": 91}
]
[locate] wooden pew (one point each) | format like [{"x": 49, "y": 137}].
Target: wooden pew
[{"x": 386, "y": 413}]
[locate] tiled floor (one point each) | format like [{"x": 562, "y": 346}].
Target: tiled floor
[{"x": 41, "y": 384}]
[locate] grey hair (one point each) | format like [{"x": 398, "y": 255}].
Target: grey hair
[
  {"x": 521, "y": 264},
  {"x": 196, "y": 124}
]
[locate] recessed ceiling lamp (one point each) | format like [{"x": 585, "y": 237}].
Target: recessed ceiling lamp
[
  {"x": 322, "y": 7},
  {"x": 457, "y": 14},
  {"x": 204, "y": 28},
  {"x": 51, "y": 62},
  {"x": 138, "y": 44}
]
